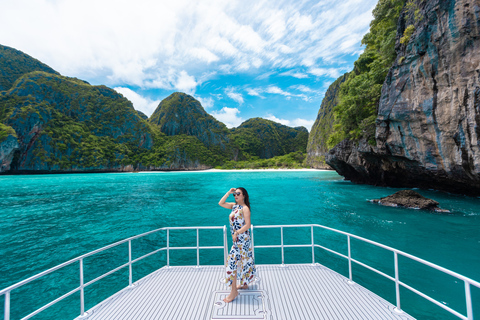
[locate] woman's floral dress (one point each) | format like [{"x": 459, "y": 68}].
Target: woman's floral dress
[{"x": 241, "y": 254}]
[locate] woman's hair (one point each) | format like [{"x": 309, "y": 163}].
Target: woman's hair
[{"x": 245, "y": 197}]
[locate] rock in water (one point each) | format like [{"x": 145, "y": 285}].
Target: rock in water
[{"x": 409, "y": 199}]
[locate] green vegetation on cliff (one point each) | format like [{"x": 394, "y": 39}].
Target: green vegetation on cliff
[
  {"x": 293, "y": 160},
  {"x": 359, "y": 96},
  {"x": 323, "y": 126},
  {"x": 5, "y": 131},
  {"x": 265, "y": 139},
  {"x": 14, "y": 64},
  {"x": 65, "y": 124}
]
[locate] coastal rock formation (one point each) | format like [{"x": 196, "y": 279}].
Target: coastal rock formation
[
  {"x": 65, "y": 124},
  {"x": 322, "y": 128},
  {"x": 266, "y": 139},
  {"x": 409, "y": 199},
  {"x": 15, "y": 63},
  {"x": 181, "y": 113},
  {"x": 8, "y": 146},
  {"x": 51, "y": 123},
  {"x": 428, "y": 124}
]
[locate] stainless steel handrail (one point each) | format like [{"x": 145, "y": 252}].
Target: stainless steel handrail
[
  {"x": 80, "y": 259},
  {"x": 468, "y": 282}
]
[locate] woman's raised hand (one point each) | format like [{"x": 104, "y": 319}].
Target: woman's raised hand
[{"x": 232, "y": 190}]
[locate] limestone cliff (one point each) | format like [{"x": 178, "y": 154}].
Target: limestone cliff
[
  {"x": 428, "y": 124},
  {"x": 65, "y": 124},
  {"x": 8, "y": 146},
  {"x": 266, "y": 139},
  {"x": 14, "y": 64},
  {"x": 180, "y": 113},
  {"x": 322, "y": 128}
]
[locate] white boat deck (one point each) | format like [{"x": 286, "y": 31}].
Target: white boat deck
[{"x": 302, "y": 291}]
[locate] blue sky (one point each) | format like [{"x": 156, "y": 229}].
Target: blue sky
[{"x": 240, "y": 59}]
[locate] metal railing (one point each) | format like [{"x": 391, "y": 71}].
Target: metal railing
[
  {"x": 6, "y": 292},
  {"x": 467, "y": 281}
]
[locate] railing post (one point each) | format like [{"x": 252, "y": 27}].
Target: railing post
[
  {"x": 281, "y": 233},
  {"x": 253, "y": 247},
  {"x": 168, "y": 247},
  {"x": 225, "y": 244},
  {"x": 397, "y": 284},
  {"x": 468, "y": 299},
  {"x": 198, "y": 251},
  {"x": 7, "y": 306},
  {"x": 82, "y": 297},
  {"x": 313, "y": 248},
  {"x": 349, "y": 260},
  {"x": 129, "y": 263}
]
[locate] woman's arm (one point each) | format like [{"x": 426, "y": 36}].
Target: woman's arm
[
  {"x": 227, "y": 205},
  {"x": 246, "y": 216}
]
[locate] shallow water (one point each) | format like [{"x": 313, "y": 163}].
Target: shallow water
[{"x": 48, "y": 219}]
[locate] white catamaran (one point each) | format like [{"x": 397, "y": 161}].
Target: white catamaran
[{"x": 280, "y": 291}]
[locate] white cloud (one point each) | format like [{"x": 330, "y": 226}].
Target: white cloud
[
  {"x": 230, "y": 92},
  {"x": 273, "y": 118},
  {"x": 254, "y": 92},
  {"x": 141, "y": 103},
  {"x": 303, "y": 123},
  {"x": 120, "y": 46},
  {"x": 291, "y": 73},
  {"x": 204, "y": 55},
  {"x": 185, "y": 83},
  {"x": 292, "y": 123},
  {"x": 229, "y": 116},
  {"x": 331, "y": 72},
  {"x": 303, "y": 88},
  {"x": 277, "y": 90},
  {"x": 205, "y": 102}
]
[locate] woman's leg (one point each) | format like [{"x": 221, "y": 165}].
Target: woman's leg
[{"x": 234, "y": 293}]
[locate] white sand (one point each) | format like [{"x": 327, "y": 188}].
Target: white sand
[
  {"x": 236, "y": 170},
  {"x": 260, "y": 170}
]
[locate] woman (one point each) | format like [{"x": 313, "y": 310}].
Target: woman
[{"x": 240, "y": 263}]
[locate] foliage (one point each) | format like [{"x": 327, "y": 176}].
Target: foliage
[
  {"x": 407, "y": 34},
  {"x": 359, "y": 95},
  {"x": 5, "y": 131},
  {"x": 67, "y": 124},
  {"x": 323, "y": 126},
  {"x": 265, "y": 139},
  {"x": 14, "y": 64},
  {"x": 293, "y": 160}
]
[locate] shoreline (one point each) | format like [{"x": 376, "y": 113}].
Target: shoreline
[{"x": 237, "y": 170}]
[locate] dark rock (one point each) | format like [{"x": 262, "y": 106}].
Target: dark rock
[
  {"x": 409, "y": 199},
  {"x": 428, "y": 123},
  {"x": 8, "y": 147}
]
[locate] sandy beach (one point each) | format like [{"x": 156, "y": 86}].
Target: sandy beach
[{"x": 235, "y": 170}]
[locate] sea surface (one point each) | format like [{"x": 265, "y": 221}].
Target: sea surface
[{"x": 46, "y": 220}]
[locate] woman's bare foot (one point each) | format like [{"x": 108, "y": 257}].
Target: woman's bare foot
[
  {"x": 245, "y": 286},
  {"x": 230, "y": 297}
]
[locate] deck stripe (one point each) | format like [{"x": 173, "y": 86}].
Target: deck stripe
[{"x": 293, "y": 292}]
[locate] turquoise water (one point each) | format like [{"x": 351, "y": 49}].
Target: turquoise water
[{"x": 48, "y": 219}]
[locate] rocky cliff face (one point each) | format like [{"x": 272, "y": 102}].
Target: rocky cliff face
[
  {"x": 428, "y": 124},
  {"x": 14, "y": 64},
  {"x": 64, "y": 124},
  {"x": 180, "y": 113},
  {"x": 266, "y": 139},
  {"x": 322, "y": 128},
  {"x": 8, "y": 146}
]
